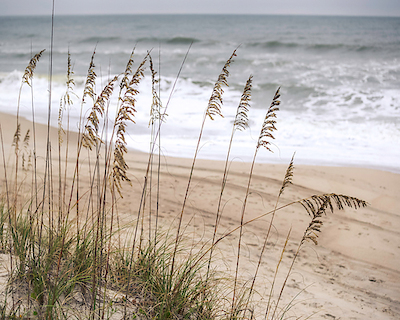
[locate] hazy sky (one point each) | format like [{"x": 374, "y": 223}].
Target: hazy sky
[{"x": 308, "y": 7}]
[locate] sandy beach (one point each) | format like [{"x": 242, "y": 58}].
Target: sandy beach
[{"x": 353, "y": 273}]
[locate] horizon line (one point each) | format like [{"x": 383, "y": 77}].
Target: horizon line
[{"x": 202, "y": 14}]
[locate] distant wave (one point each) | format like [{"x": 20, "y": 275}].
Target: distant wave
[
  {"x": 100, "y": 39},
  {"x": 175, "y": 40},
  {"x": 365, "y": 48},
  {"x": 273, "y": 44},
  {"x": 339, "y": 46},
  {"x": 326, "y": 47},
  {"x": 182, "y": 40},
  {"x": 322, "y": 47}
]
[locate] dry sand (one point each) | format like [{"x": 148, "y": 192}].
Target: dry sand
[{"x": 352, "y": 274}]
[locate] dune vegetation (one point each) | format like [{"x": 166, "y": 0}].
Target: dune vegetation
[{"x": 67, "y": 253}]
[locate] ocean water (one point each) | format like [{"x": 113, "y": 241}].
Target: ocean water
[{"x": 339, "y": 79}]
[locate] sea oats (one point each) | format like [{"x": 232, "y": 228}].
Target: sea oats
[
  {"x": 215, "y": 102},
  {"x": 91, "y": 135},
  {"x": 128, "y": 71},
  {"x": 29, "y": 70},
  {"x": 125, "y": 113},
  {"x": 241, "y": 118},
  {"x": 89, "y": 89},
  {"x": 268, "y": 126}
]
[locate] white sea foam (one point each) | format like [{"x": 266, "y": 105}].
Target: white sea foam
[{"x": 331, "y": 138}]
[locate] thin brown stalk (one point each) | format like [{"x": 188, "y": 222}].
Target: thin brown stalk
[
  {"x": 266, "y": 134},
  {"x": 148, "y": 165},
  {"x": 26, "y": 79},
  {"x": 240, "y": 123},
  {"x": 309, "y": 234},
  {"x": 316, "y": 207},
  {"x": 125, "y": 114},
  {"x": 155, "y": 115},
  {"x": 90, "y": 139},
  {"x": 5, "y": 170},
  {"x": 124, "y": 85},
  {"x": 47, "y": 179},
  {"x": 119, "y": 167},
  {"x": 159, "y": 154},
  {"x": 35, "y": 184},
  {"x": 310, "y": 204},
  {"x": 65, "y": 102},
  {"x": 286, "y": 181},
  {"x": 89, "y": 90},
  {"x": 276, "y": 273},
  {"x": 213, "y": 109},
  {"x": 107, "y": 268},
  {"x": 8, "y": 207}
]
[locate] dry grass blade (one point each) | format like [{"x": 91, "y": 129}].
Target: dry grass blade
[
  {"x": 215, "y": 102},
  {"x": 269, "y": 123},
  {"x": 29, "y": 70},
  {"x": 241, "y": 118}
]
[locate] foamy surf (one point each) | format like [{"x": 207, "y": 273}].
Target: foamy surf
[{"x": 339, "y": 81}]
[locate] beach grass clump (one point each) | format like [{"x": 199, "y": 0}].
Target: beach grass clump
[{"x": 68, "y": 254}]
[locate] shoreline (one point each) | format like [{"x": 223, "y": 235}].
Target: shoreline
[{"x": 301, "y": 162}]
